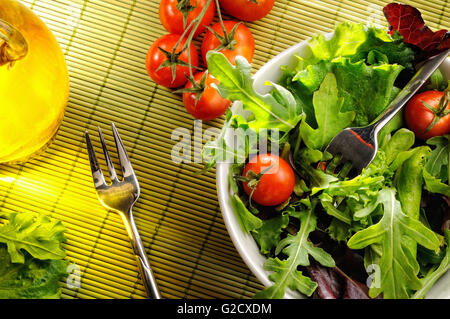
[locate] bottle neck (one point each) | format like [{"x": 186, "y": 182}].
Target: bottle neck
[{"x": 13, "y": 45}]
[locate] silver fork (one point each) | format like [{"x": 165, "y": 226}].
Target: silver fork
[
  {"x": 120, "y": 196},
  {"x": 358, "y": 146}
]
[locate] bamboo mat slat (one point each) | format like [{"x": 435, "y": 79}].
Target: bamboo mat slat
[{"x": 105, "y": 43}]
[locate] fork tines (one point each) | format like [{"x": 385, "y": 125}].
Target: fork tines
[
  {"x": 353, "y": 147},
  {"x": 124, "y": 160}
]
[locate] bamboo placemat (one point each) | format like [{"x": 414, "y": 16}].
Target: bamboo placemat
[{"x": 105, "y": 42}]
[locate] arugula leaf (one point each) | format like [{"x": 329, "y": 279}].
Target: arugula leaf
[
  {"x": 37, "y": 234},
  {"x": 297, "y": 248},
  {"x": 218, "y": 151},
  {"x": 398, "y": 268},
  {"x": 236, "y": 83},
  {"x": 32, "y": 279},
  {"x": 434, "y": 185},
  {"x": 436, "y": 172},
  {"x": 248, "y": 221},
  {"x": 438, "y": 161},
  {"x": 330, "y": 119},
  {"x": 429, "y": 280},
  {"x": 268, "y": 235}
]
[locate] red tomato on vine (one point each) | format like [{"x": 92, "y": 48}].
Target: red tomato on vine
[
  {"x": 169, "y": 67},
  {"x": 247, "y": 10},
  {"x": 237, "y": 40},
  {"x": 202, "y": 100},
  {"x": 427, "y": 114},
  {"x": 177, "y": 15}
]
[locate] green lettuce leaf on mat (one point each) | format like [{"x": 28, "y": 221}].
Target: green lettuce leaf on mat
[
  {"x": 31, "y": 279},
  {"x": 236, "y": 83},
  {"x": 31, "y": 256},
  {"x": 37, "y": 234},
  {"x": 297, "y": 248},
  {"x": 398, "y": 268}
]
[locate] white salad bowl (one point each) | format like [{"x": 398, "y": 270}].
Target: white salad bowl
[{"x": 244, "y": 243}]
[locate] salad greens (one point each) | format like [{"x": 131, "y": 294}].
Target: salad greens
[
  {"x": 347, "y": 79},
  {"x": 38, "y": 235},
  {"x": 329, "y": 118},
  {"x": 398, "y": 265},
  {"x": 298, "y": 249},
  {"x": 31, "y": 257}
]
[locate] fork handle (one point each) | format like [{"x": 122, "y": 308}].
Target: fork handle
[
  {"x": 145, "y": 270},
  {"x": 409, "y": 90}
]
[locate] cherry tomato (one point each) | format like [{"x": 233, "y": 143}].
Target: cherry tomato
[
  {"x": 247, "y": 10},
  {"x": 277, "y": 182},
  {"x": 419, "y": 118},
  {"x": 210, "y": 105},
  {"x": 172, "y": 19},
  {"x": 155, "y": 57},
  {"x": 242, "y": 42}
]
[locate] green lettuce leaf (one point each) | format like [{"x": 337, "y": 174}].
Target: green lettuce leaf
[
  {"x": 408, "y": 181},
  {"x": 437, "y": 272},
  {"x": 392, "y": 48},
  {"x": 248, "y": 221},
  {"x": 436, "y": 172},
  {"x": 316, "y": 177},
  {"x": 236, "y": 83},
  {"x": 330, "y": 119},
  {"x": 37, "y": 234},
  {"x": 398, "y": 268},
  {"x": 298, "y": 249},
  {"x": 437, "y": 162},
  {"x": 355, "y": 41},
  {"x": 268, "y": 235},
  {"x": 346, "y": 40},
  {"x": 367, "y": 90},
  {"x": 31, "y": 279}
]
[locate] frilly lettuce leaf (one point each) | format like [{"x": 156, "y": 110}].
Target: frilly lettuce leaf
[
  {"x": 366, "y": 62},
  {"x": 37, "y": 234},
  {"x": 367, "y": 90},
  {"x": 32, "y": 279},
  {"x": 347, "y": 39},
  {"x": 358, "y": 42}
]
